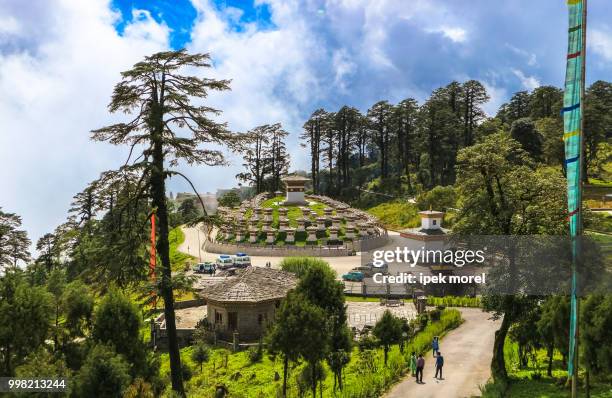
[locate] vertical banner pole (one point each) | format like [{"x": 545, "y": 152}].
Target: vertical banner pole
[{"x": 573, "y": 128}]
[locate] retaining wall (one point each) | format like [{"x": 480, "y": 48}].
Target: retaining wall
[{"x": 293, "y": 251}]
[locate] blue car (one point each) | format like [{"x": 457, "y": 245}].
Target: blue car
[{"x": 353, "y": 276}]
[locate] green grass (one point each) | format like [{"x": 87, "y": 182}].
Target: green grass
[
  {"x": 293, "y": 213},
  {"x": 364, "y": 376},
  {"x": 523, "y": 383},
  {"x": 397, "y": 214},
  {"x": 547, "y": 388},
  {"x": 177, "y": 259},
  {"x": 600, "y": 183}
]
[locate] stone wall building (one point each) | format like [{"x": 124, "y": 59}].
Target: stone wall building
[{"x": 246, "y": 302}]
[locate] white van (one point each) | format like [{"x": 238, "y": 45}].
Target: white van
[
  {"x": 242, "y": 260},
  {"x": 224, "y": 261}
]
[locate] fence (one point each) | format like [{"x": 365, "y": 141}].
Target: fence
[
  {"x": 378, "y": 290},
  {"x": 372, "y": 318}
]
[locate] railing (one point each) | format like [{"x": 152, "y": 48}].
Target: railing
[
  {"x": 372, "y": 318},
  {"x": 378, "y": 290}
]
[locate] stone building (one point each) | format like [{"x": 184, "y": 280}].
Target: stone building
[{"x": 246, "y": 301}]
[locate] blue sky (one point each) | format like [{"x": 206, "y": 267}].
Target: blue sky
[
  {"x": 180, "y": 15},
  {"x": 511, "y": 44},
  {"x": 60, "y": 60}
]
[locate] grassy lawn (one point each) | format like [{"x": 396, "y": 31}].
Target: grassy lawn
[
  {"x": 177, "y": 259},
  {"x": 293, "y": 213},
  {"x": 364, "y": 376},
  {"x": 532, "y": 382},
  {"x": 547, "y": 388},
  {"x": 397, "y": 215}
]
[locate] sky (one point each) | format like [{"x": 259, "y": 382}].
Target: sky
[{"x": 59, "y": 61}]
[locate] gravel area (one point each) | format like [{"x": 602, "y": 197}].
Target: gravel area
[{"x": 368, "y": 313}]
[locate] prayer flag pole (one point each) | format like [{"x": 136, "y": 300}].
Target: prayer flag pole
[{"x": 573, "y": 126}]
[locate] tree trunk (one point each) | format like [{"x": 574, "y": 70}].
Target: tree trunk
[
  {"x": 55, "y": 340},
  {"x": 386, "y": 350},
  {"x": 314, "y": 380},
  {"x": 587, "y": 383},
  {"x": 158, "y": 193},
  {"x": 7, "y": 361},
  {"x": 285, "y": 367},
  {"x": 340, "y": 378},
  {"x": 550, "y": 361},
  {"x": 498, "y": 363},
  {"x": 335, "y": 380}
]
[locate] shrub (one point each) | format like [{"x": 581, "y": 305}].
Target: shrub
[
  {"x": 255, "y": 354},
  {"x": 104, "y": 373},
  {"x": 454, "y": 301},
  {"x": 367, "y": 342},
  {"x": 493, "y": 390},
  {"x": 439, "y": 198},
  {"x": 186, "y": 371},
  {"x": 200, "y": 354},
  {"x": 299, "y": 265},
  {"x": 423, "y": 320}
]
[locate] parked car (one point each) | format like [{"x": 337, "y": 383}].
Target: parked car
[
  {"x": 224, "y": 261},
  {"x": 383, "y": 268},
  {"x": 353, "y": 276},
  {"x": 242, "y": 260},
  {"x": 370, "y": 269},
  {"x": 365, "y": 270},
  {"x": 205, "y": 268}
]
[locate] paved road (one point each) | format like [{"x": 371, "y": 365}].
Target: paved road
[{"x": 467, "y": 353}]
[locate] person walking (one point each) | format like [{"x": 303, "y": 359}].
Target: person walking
[
  {"x": 439, "y": 364},
  {"x": 413, "y": 361},
  {"x": 435, "y": 345},
  {"x": 420, "y": 364}
]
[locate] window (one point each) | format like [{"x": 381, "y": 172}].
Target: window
[
  {"x": 434, "y": 222},
  {"x": 218, "y": 317},
  {"x": 262, "y": 319}
]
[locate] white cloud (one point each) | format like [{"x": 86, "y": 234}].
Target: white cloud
[
  {"x": 528, "y": 82},
  {"x": 455, "y": 34},
  {"x": 600, "y": 41},
  {"x": 343, "y": 67},
  {"x": 532, "y": 59},
  {"x": 57, "y": 89},
  {"x": 9, "y": 25},
  {"x": 60, "y": 60}
]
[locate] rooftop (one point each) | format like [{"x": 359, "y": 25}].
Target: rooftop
[
  {"x": 295, "y": 178},
  {"x": 431, "y": 213},
  {"x": 251, "y": 285}
]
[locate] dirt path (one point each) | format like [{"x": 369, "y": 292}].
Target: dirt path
[{"x": 467, "y": 353}]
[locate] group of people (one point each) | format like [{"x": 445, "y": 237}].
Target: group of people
[{"x": 418, "y": 363}]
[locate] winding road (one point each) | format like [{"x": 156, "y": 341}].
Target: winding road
[
  {"x": 467, "y": 353},
  {"x": 467, "y": 350}
]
